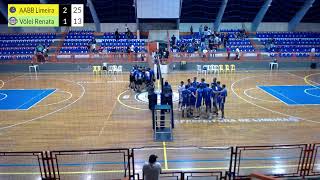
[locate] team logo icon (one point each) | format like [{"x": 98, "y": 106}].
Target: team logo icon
[
  {"x": 13, "y": 9},
  {"x": 12, "y": 21}
]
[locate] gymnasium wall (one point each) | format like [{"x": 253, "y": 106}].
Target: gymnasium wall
[
  {"x": 265, "y": 26},
  {"x": 184, "y": 27}
]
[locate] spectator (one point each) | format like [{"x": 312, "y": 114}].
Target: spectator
[
  {"x": 200, "y": 30},
  {"x": 228, "y": 52},
  {"x": 126, "y": 29},
  {"x": 166, "y": 53},
  {"x": 152, "y": 169},
  {"x": 173, "y": 40},
  {"x": 131, "y": 48},
  {"x": 237, "y": 54},
  {"x": 312, "y": 52},
  {"x": 116, "y": 34},
  {"x": 128, "y": 34},
  {"x": 191, "y": 30}
]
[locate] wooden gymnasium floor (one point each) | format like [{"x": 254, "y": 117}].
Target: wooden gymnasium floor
[{"x": 88, "y": 111}]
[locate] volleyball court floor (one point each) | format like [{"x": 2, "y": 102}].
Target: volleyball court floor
[{"x": 75, "y": 111}]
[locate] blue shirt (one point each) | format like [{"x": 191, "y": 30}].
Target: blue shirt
[
  {"x": 185, "y": 93},
  {"x": 207, "y": 94},
  {"x": 193, "y": 91},
  {"x": 195, "y": 84}
]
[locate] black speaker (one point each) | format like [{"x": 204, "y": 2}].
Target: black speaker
[{"x": 313, "y": 66}]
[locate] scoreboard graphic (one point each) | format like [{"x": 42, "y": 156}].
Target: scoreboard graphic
[{"x": 45, "y": 15}]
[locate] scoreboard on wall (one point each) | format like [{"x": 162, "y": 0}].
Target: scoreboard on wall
[{"x": 45, "y": 15}]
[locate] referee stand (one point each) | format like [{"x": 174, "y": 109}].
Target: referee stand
[{"x": 162, "y": 113}]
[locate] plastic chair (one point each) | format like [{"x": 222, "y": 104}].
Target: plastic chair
[
  {"x": 216, "y": 69},
  {"x": 210, "y": 68},
  {"x": 199, "y": 69},
  {"x": 221, "y": 70},
  {"x": 118, "y": 69},
  {"x": 233, "y": 68},
  {"x": 226, "y": 68},
  {"x": 96, "y": 69},
  {"x": 111, "y": 69}
]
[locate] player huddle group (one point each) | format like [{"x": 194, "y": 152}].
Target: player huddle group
[
  {"x": 195, "y": 95},
  {"x": 140, "y": 78}
]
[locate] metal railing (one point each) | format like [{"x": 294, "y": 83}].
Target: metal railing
[{"x": 220, "y": 163}]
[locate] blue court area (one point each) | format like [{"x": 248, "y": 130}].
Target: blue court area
[
  {"x": 22, "y": 99},
  {"x": 295, "y": 95}
]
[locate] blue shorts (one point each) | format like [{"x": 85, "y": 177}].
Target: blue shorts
[
  {"x": 221, "y": 105},
  {"x": 208, "y": 103},
  {"x": 199, "y": 103},
  {"x": 185, "y": 103},
  {"x": 192, "y": 102}
]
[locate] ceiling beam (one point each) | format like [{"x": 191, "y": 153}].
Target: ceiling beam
[
  {"x": 220, "y": 15},
  {"x": 95, "y": 17},
  {"x": 260, "y": 15},
  {"x": 300, "y": 14}
]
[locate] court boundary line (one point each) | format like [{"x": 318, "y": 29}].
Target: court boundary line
[
  {"x": 172, "y": 169},
  {"x": 59, "y": 102},
  {"x": 52, "y": 112},
  {"x": 245, "y": 92},
  {"x": 42, "y": 98},
  {"x": 262, "y": 107},
  {"x": 165, "y": 155},
  {"x": 109, "y": 115}
]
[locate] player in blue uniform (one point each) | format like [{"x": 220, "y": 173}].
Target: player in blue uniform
[
  {"x": 139, "y": 79},
  {"x": 199, "y": 98},
  {"x": 185, "y": 101},
  {"x": 195, "y": 83},
  {"x": 131, "y": 79},
  {"x": 207, "y": 95},
  {"x": 222, "y": 99},
  {"x": 192, "y": 100}
]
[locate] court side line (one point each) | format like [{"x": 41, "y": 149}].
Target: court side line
[
  {"x": 109, "y": 115},
  {"x": 165, "y": 155},
  {"x": 245, "y": 92},
  {"x": 16, "y": 77},
  {"x": 67, "y": 172},
  {"x": 173, "y": 169},
  {"x": 270, "y": 110},
  {"x": 34, "y": 98},
  {"x": 48, "y": 114},
  {"x": 245, "y": 167},
  {"x": 70, "y": 96}
]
